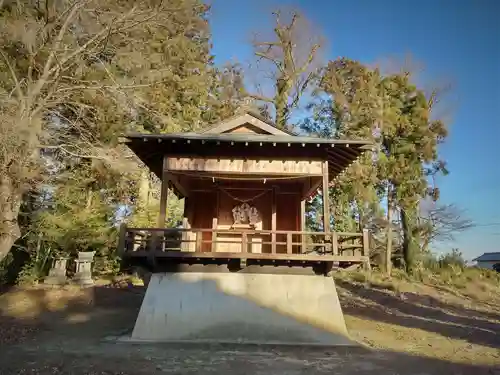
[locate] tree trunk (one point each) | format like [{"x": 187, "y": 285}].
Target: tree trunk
[
  {"x": 388, "y": 253},
  {"x": 283, "y": 89},
  {"x": 408, "y": 242},
  {"x": 10, "y": 203}
]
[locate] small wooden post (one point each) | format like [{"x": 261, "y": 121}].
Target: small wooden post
[
  {"x": 273, "y": 223},
  {"x": 185, "y": 235},
  {"x": 244, "y": 242},
  {"x": 335, "y": 243},
  {"x": 199, "y": 238},
  {"x": 215, "y": 221},
  {"x": 289, "y": 243},
  {"x": 214, "y": 235},
  {"x": 366, "y": 248},
  {"x": 303, "y": 225}
]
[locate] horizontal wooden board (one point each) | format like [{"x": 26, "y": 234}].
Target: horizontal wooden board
[
  {"x": 245, "y": 166},
  {"x": 261, "y": 256}
]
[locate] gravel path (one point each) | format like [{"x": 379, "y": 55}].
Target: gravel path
[{"x": 127, "y": 359}]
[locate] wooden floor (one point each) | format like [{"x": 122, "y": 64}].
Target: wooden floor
[
  {"x": 177, "y": 261},
  {"x": 153, "y": 248}
]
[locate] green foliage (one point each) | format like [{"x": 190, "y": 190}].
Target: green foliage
[
  {"x": 36, "y": 267},
  {"x": 353, "y": 101},
  {"x": 80, "y": 218},
  {"x": 151, "y": 70},
  {"x": 147, "y": 216},
  {"x": 5, "y": 264},
  {"x": 451, "y": 259}
]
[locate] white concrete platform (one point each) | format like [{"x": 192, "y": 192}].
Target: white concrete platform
[{"x": 241, "y": 307}]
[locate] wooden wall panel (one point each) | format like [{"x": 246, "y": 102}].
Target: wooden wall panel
[
  {"x": 247, "y": 128},
  {"x": 205, "y": 205},
  {"x": 245, "y": 166},
  {"x": 204, "y": 210},
  {"x": 227, "y": 203},
  {"x": 287, "y": 218}
]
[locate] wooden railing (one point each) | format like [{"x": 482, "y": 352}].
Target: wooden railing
[{"x": 257, "y": 244}]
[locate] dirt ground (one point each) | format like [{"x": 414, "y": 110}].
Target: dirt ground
[{"x": 424, "y": 331}]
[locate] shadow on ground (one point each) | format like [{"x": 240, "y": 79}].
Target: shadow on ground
[
  {"x": 421, "y": 312},
  {"x": 72, "y": 312},
  {"x": 61, "y": 331}
]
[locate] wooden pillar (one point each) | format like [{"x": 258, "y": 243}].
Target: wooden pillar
[
  {"x": 303, "y": 225},
  {"x": 215, "y": 222},
  {"x": 326, "y": 199},
  {"x": 185, "y": 235},
  {"x": 158, "y": 238},
  {"x": 163, "y": 200},
  {"x": 273, "y": 222},
  {"x": 366, "y": 248}
]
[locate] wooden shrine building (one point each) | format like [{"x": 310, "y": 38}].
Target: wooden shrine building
[{"x": 245, "y": 184}]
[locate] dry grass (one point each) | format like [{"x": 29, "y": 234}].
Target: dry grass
[{"x": 453, "y": 314}]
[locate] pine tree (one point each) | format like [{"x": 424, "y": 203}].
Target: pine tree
[{"x": 358, "y": 102}]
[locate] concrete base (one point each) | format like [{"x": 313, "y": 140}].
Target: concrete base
[{"x": 244, "y": 308}]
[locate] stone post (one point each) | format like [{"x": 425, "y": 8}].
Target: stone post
[
  {"x": 83, "y": 275},
  {"x": 57, "y": 273}
]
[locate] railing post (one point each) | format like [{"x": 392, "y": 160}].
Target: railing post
[
  {"x": 185, "y": 235},
  {"x": 244, "y": 242},
  {"x": 289, "y": 243},
  {"x": 366, "y": 248},
  {"x": 199, "y": 238},
  {"x": 273, "y": 242},
  {"x": 335, "y": 243},
  {"x": 214, "y": 235}
]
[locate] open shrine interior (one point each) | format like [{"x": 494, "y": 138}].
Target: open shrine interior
[{"x": 245, "y": 184}]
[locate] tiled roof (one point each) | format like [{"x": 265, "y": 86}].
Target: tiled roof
[{"x": 488, "y": 257}]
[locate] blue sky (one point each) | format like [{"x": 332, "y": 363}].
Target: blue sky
[{"x": 456, "y": 41}]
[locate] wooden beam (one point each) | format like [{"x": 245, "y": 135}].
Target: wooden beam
[
  {"x": 174, "y": 180},
  {"x": 245, "y": 166},
  {"x": 258, "y": 256},
  {"x": 313, "y": 186},
  {"x": 242, "y": 120},
  {"x": 326, "y": 199}
]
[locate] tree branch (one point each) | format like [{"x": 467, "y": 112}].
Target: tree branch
[
  {"x": 13, "y": 75},
  {"x": 261, "y": 98}
]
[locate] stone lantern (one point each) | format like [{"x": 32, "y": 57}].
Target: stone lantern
[
  {"x": 57, "y": 273},
  {"x": 83, "y": 275}
]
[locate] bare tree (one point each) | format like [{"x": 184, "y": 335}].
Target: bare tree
[
  {"x": 442, "y": 223},
  {"x": 290, "y": 61},
  {"x": 45, "y": 54}
]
